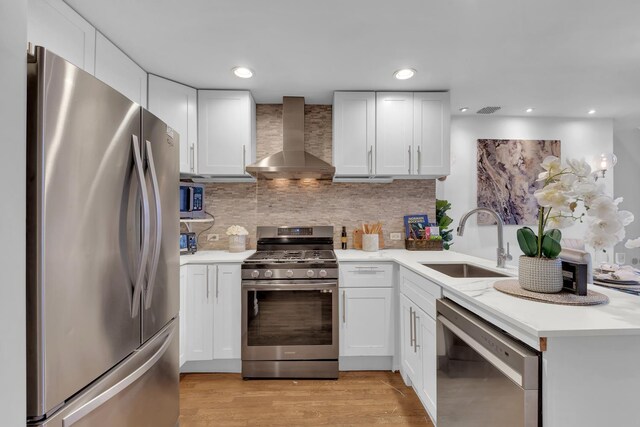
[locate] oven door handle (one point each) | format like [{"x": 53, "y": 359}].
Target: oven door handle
[{"x": 290, "y": 287}]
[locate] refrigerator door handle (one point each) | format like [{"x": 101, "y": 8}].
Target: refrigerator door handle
[
  {"x": 146, "y": 232},
  {"x": 155, "y": 257},
  {"x": 113, "y": 391}
]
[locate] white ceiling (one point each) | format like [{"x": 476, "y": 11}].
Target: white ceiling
[{"x": 560, "y": 57}]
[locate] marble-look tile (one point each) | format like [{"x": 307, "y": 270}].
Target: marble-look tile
[{"x": 507, "y": 173}]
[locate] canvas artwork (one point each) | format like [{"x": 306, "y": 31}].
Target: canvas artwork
[{"x": 507, "y": 173}]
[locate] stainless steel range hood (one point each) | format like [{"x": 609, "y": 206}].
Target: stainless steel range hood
[{"x": 292, "y": 162}]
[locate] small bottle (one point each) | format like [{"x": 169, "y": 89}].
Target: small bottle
[{"x": 343, "y": 239}]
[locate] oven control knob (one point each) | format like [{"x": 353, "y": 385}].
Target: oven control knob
[
  {"x": 289, "y": 273},
  {"x": 268, "y": 273},
  {"x": 311, "y": 273},
  {"x": 255, "y": 274},
  {"x": 322, "y": 273}
]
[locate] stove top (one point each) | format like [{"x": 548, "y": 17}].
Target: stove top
[{"x": 292, "y": 256}]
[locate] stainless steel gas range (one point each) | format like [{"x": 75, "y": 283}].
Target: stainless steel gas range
[{"x": 290, "y": 305}]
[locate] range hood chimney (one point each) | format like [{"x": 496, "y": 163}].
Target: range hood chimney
[{"x": 292, "y": 162}]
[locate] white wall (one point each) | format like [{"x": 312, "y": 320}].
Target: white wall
[
  {"x": 626, "y": 143},
  {"x": 579, "y": 138},
  {"x": 13, "y": 71}
]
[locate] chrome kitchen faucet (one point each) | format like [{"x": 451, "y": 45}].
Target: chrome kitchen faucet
[{"x": 502, "y": 256}]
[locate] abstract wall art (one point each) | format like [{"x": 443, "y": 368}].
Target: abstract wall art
[{"x": 507, "y": 173}]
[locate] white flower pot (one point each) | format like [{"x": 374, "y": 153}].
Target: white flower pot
[
  {"x": 540, "y": 274},
  {"x": 237, "y": 243}
]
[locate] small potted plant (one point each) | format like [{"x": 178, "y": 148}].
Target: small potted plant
[
  {"x": 237, "y": 238},
  {"x": 563, "y": 187}
]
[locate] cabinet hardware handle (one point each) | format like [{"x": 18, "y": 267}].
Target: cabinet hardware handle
[
  {"x": 192, "y": 152},
  {"x": 415, "y": 340},
  {"x": 244, "y": 159},
  {"x": 370, "y": 160},
  {"x": 411, "y": 339},
  {"x": 409, "y": 150},
  {"x": 217, "y": 282},
  {"x": 419, "y": 160},
  {"x": 344, "y": 306},
  {"x": 206, "y": 278}
]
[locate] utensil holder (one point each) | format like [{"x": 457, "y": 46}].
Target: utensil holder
[{"x": 370, "y": 242}]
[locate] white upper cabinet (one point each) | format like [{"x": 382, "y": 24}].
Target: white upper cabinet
[
  {"x": 55, "y": 26},
  {"x": 391, "y": 134},
  {"x": 394, "y": 133},
  {"x": 354, "y": 133},
  {"x": 177, "y": 105},
  {"x": 431, "y": 112},
  {"x": 226, "y": 132},
  {"x": 120, "y": 72}
]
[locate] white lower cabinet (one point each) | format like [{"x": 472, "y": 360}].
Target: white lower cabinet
[
  {"x": 226, "y": 311},
  {"x": 409, "y": 355},
  {"x": 418, "y": 336},
  {"x": 182, "y": 315},
  {"x": 211, "y": 308},
  {"x": 199, "y": 314},
  {"x": 366, "y": 322}
]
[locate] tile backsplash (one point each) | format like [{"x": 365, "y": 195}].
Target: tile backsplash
[{"x": 310, "y": 202}]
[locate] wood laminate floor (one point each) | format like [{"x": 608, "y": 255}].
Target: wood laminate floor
[{"x": 356, "y": 399}]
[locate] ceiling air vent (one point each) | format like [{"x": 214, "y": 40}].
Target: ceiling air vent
[{"x": 488, "y": 110}]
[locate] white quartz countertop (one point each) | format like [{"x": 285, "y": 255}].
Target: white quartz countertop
[
  {"x": 621, "y": 316},
  {"x": 207, "y": 257}
]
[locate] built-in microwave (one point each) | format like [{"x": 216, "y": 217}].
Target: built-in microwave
[{"x": 191, "y": 200}]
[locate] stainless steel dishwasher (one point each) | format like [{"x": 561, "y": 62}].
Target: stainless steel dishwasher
[{"x": 485, "y": 377}]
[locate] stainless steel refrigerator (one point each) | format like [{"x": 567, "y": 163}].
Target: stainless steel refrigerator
[{"x": 102, "y": 254}]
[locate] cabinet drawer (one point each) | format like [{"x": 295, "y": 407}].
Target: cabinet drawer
[
  {"x": 366, "y": 275},
  {"x": 421, "y": 291}
]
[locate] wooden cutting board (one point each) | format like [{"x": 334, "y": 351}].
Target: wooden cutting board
[{"x": 357, "y": 239}]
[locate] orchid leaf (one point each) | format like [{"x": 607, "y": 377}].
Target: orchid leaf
[{"x": 528, "y": 241}]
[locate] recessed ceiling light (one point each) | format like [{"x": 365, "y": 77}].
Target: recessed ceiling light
[
  {"x": 243, "y": 72},
  {"x": 464, "y": 109},
  {"x": 591, "y": 112},
  {"x": 404, "y": 74},
  {"x": 529, "y": 110}
]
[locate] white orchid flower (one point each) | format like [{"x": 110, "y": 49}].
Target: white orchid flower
[{"x": 579, "y": 167}]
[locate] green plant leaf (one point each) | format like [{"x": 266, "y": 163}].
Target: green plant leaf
[
  {"x": 551, "y": 246},
  {"x": 445, "y": 221},
  {"x": 527, "y": 241}
]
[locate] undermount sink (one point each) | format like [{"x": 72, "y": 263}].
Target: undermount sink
[{"x": 464, "y": 270}]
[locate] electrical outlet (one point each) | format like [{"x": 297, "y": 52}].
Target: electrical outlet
[
  {"x": 213, "y": 237},
  {"x": 395, "y": 236}
]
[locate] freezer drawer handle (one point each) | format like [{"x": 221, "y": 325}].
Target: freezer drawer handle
[
  {"x": 146, "y": 225},
  {"x": 108, "y": 394},
  {"x": 156, "y": 250}
]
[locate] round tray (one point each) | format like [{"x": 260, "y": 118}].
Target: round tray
[{"x": 512, "y": 287}]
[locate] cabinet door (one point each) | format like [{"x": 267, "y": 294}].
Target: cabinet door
[
  {"x": 354, "y": 133},
  {"x": 226, "y": 132},
  {"x": 117, "y": 70},
  {"x": 226, "y": 311},
  {"x": 55, "y": 26},
  {"x": 427, "y": 347},
  {"x": 410, "y": 356},
  {"x": 431, "y": 112},
  {"x": 366, "y": 322},
  {"x": 394, "y": 133},
  {"x": 177, "y": 106},
  {"x": 183, "y": 315},
  {"x": 199, "y": 313}
]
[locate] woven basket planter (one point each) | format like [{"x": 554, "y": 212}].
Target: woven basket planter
[{"x": 540, "y": 274}]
